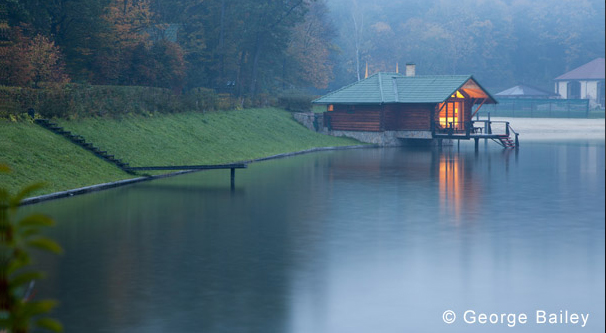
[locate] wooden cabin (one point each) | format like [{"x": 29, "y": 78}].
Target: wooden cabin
[{"x": 434, "y": 105}]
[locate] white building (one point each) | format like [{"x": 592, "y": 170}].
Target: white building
[{"x": 585, "y": 82}]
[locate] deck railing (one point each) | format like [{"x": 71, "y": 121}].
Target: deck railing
[
  {"x": 503, "y": 126},
  {"x": 511, "y": 130},
  {"x": 477, "y": 129},
  {"x": 452, "y": 128}
]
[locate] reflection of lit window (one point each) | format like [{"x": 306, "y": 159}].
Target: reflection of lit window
[
  {"x": 459, "y": 196},
  {"x": 331, "y": 107},
  {"x": 451, "y": 187}
]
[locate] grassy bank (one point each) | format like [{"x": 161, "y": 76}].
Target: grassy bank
[
  {"x": 35, "y": 154},
  {"x": 162, "y": 139}
]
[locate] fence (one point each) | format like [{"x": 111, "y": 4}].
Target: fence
[{"x": 539, "y": 108}]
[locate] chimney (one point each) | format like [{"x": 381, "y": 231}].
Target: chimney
[{"x": 410, "y": 69}]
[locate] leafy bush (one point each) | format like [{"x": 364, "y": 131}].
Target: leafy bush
[
  {"x": 201, "y": 99},
  {"x": 17, "y": 239},
  {"x": 295, "y": 101},
  {"x": 77, "y": 101}
]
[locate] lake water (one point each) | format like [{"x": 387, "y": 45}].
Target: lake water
[{"x": 367, "y": 240}]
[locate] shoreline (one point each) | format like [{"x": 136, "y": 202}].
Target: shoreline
[
  {"x": 530, "y": 129},
  {"x": 124, "y": 182}
]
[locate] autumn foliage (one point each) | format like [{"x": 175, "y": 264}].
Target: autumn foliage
[
  {"x": 31, "y": 61},
  {"x": 244, "y": 48},
  {"x": 118, "y": 50}
]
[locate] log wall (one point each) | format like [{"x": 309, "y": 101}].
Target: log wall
[
  {"x": 375, "y": 118},
  {"x": 408, "y": 117},
  {"x": 354, "y": 118}
]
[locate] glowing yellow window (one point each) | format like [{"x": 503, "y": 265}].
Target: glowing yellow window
[{"x": 449, "y": 115}]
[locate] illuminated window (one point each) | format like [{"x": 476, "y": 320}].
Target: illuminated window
[
  {"x": 449, "y": 115},
  {"x": 457, "y": 94},
  {"x": 330, "y": 108}
]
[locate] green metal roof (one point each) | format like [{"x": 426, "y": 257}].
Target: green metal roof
[{"x": 384, "y": 88}]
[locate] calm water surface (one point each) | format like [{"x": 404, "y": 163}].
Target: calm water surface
[{"x": 371, "y": 240}]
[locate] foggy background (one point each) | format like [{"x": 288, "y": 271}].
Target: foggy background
[
  {"x": 252, "y": 47},
  {"x": 502, "y": 43}
]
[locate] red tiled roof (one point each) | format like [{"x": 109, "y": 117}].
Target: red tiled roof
[{"x": 593, "y": 70}]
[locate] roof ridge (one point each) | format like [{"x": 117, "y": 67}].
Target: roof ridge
[
  {"x": 417, "y": 89},
  {"x": 344, "y": 87},
  {"x": 577, "y": 72},
  {"x": 381, "y": 88},
  {"x": 394, "y": 86}
]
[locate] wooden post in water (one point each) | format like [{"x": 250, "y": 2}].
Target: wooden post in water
[
  {"x": 233, "y": 178},
  {"x": 487, "y": 129}
]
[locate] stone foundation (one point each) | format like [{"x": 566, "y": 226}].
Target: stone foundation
[
  {"x": 387, "y": 139},
  {"x": 307, "y": 119}
]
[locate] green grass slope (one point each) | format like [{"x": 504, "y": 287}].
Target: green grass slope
[
  {"x": 36, "y": 154},
  {"x": 201, "y": 138}
]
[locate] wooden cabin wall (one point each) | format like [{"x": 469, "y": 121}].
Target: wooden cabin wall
[
  {"x": 410, "y": 117},
  {"x": 354, "y": 118}
]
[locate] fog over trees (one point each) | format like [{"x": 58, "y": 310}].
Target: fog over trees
[
  {"x": 248, "y": 47},
  {"x": 499, "y": 42}
]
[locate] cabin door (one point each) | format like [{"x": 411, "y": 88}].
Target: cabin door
[{"x": 451, "y": 116}]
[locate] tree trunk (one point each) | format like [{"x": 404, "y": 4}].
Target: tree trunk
[
  {"x": 222, "y": 41},
  {"x": 239, "y": 77},
  {"x": 357, "y": 33},
  {"x": 255, "y": 66}
]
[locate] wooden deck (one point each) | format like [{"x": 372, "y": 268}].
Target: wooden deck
[
  {"x": 463, "y": 136},
  {"x": 485, "y": 132},
  {"x": 192, "y": 167},
  {"x": 232, "y": 167}
]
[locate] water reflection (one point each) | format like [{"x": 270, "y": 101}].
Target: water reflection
[
  {"x": 374, "y": 240},
  {"x": 452, "y": 179},
  {"x": 460, "y": 192}
]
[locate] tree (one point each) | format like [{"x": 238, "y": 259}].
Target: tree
[
  {"x": 169, "y": 65},
  {"x": 193, "y": 38},
  {"x": 16, "y": 69},
  {"x": 46, "y": 62},
  {"x": 32, "y": 60},
  {"x": 127, "y": 22},
  {"x": 269, "y": 24},
  {"x": 74, "y": 26},
  {"x": 307, "y": 59}
]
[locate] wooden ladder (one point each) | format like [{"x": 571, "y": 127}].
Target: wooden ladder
[{"x": 506, "y": 141}]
